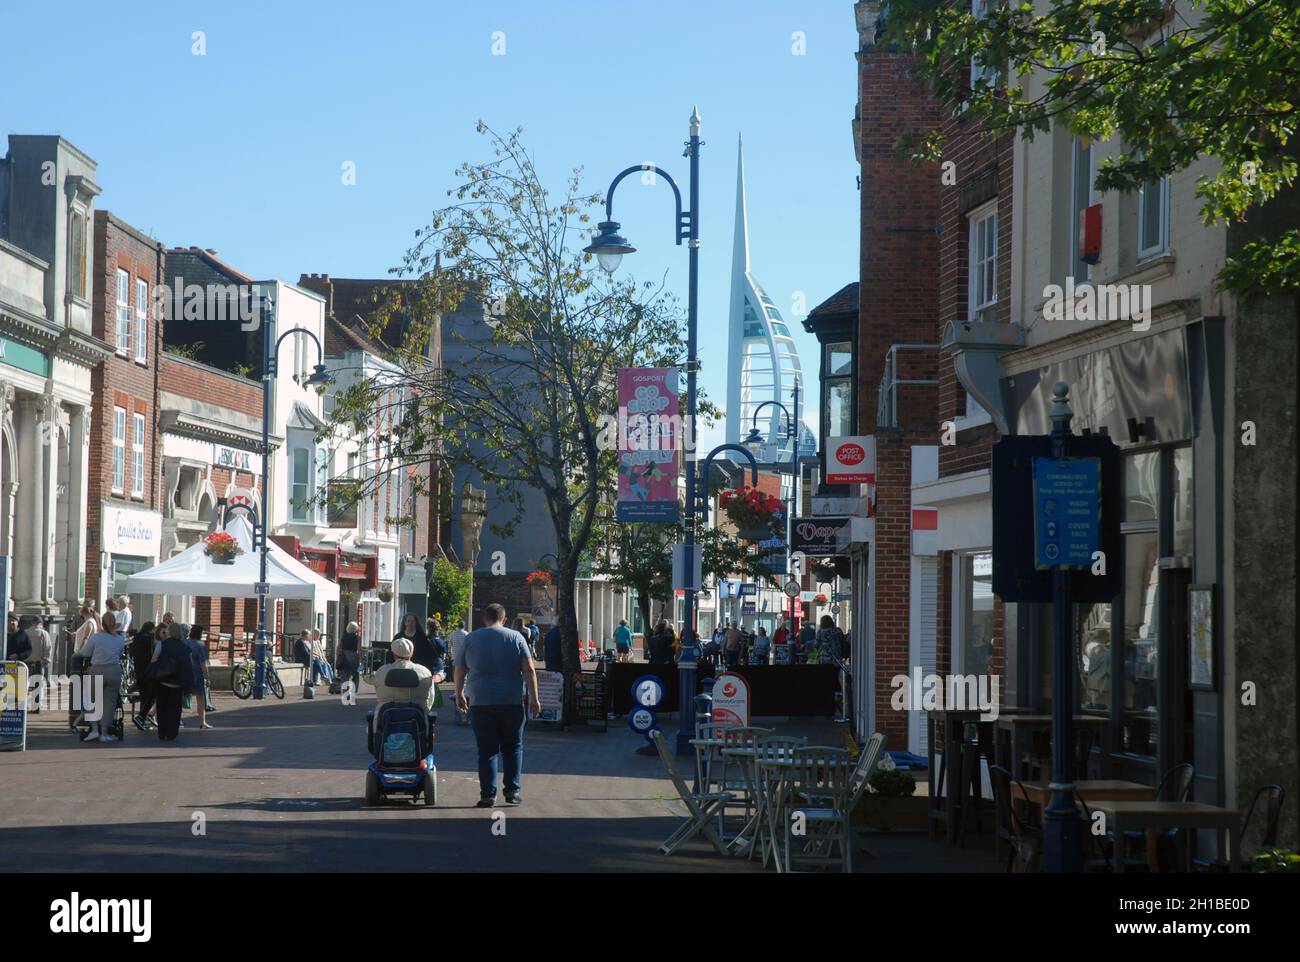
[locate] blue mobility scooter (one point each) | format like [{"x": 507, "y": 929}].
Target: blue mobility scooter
[{"x": 399, "y": 736}]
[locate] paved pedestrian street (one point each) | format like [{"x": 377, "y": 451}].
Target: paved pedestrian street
[{"x": 278, "y": 787}]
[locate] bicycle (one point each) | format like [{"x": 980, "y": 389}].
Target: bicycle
[
  {"x": 244, "y": 674},
  {"x": 371, "y": 662}
]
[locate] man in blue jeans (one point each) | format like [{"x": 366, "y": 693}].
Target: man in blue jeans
[{"x": 494, "y": 669}]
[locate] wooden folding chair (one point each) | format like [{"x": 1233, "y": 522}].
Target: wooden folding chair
[{"x": 703, "y": 807}]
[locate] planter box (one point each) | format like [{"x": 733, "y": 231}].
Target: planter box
[{"x": 901, "y": 813}]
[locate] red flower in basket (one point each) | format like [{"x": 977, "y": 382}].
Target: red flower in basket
[
  {"x": 222, "y": 547},
  {"x": 821, "y": 598},
  {"x": 542, "y": 578}
]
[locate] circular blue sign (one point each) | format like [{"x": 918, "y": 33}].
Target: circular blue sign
[
  {"x": 648, "y": 692},
  {"x": 642, "y": 721}
]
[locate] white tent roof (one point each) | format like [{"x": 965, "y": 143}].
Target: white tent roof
[{"x": 193, "y": 573}]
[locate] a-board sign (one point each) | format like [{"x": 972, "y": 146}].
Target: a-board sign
[
  {"x": 13, "y": 706},
  {"x": 550, "y": 692},
  {"x": 730, "y": 700}
]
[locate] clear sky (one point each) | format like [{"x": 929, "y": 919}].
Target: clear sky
[{"x": 241, "y": 149}]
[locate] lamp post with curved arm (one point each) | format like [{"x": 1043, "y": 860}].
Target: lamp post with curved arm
[
  {"x": 609, "y": 247},
  {"x": 755, "y": 441},
  {"x": 270, "y": 365}
]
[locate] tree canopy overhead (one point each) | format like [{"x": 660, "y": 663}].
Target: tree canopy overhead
[{"x": 1174, "y": 80}]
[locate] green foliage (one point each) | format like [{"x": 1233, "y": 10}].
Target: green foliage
[
  {"x": 1174, "y": 82},
  {"x": 449, "y": 591},
  {"x": 892, "y": 781},
  {"x": 1277, "y": 860}
]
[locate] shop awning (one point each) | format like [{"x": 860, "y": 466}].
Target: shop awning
[{"x": 193, "y": 573}]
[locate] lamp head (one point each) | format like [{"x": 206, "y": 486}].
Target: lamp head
[
  {"x": 320, "y": 376},
  {"x": 609, "y": 246},
  {"x": 754, "y": 442}
]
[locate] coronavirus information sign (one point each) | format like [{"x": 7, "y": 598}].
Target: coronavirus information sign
[{"x": 1067, "y": 512}]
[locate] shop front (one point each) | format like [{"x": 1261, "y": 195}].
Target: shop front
[
  {"x": 358, "y": 579},
  {"x": 130, "y": 541},
  {"x": 1159, "y": 399}
]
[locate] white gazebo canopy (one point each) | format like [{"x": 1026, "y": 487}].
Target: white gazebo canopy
[{"x": 193, "y": 573}]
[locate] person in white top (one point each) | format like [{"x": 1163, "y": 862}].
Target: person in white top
[
  {"x": 104, "y": 651},
  {"x": 422, "y": 694},
  {"x": 123, "y": 615},
  {"x": 454, "y": 641},
  {"x": 42, "y": 652}
]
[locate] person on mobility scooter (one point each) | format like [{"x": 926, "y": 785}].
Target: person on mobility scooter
[{"x": 400, "y": 730}]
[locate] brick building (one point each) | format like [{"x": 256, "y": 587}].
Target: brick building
[
  {"x": 123, "y": 516},
  {"x": 897, "y": 367}
]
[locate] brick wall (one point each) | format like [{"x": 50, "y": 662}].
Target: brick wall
[
  {"x": 121, "y": 380},
  {"x": 211, "y": 386}
]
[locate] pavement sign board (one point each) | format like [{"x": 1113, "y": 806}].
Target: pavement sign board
[{"x": 13, "y": 706}]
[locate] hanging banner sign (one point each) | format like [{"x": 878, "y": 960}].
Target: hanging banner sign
[
  {"x": 649, "y": 437},
  {"x": 818, "y": 537}
]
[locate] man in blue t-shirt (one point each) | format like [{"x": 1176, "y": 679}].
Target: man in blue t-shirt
[{"x": 494, "y": 669}]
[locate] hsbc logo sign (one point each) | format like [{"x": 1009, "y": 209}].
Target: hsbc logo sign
[{"x": 851, "y": 460}]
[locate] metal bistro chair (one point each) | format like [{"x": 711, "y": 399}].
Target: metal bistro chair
[
  {"x": 1174, "y": 787},
  {"x": 701, "y": 807},
  {"x": 1024, "y": 839},
  {"x": 822, "y": 773},
  {"x": 766, "y": 783},
  {"x": 859, "y": 779},
  {"x": 1276, "y": 796},
  {"x": 707, "y": 755},
  {"x": 1096, "y": 848},
  {"x": 729, "y": 776}
]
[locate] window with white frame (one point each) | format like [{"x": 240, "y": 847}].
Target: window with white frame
[
  {"x": 123, "y": 311},
  {"x": 141, "y": 320},
  {"x": 119, "y": 449},
  {"x": 983, "y": 262},
  {"x": 1153, "y": 218},
  {"x": 300, "y": 493},
  {"x": 973, "y": 615},
  {"x": 137, "y": 457},
  {"x": 322, "y": 482}
]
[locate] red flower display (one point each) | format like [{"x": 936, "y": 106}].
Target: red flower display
[
  {"x": 750, "y": 509},
  {"x": 222, "y": 547},
  {"x": 539, "y": 578}
]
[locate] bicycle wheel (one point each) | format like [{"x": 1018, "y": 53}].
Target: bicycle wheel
[
  {"x": 241, "y": 681},
  {"x": 273, "y": 682}
]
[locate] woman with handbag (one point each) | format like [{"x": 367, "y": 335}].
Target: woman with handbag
[{"x": 172, "y": 672}]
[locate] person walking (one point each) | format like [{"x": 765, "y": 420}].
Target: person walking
[
  {"x": 19, "y": 644},
  {"x": 349, "y": 659},
  {"x": 141, "y": 657},
  {"x": 494, "y": 669},
  {"x": 173, "y": 674},
  {"x": 807, "y": 637},
  {"x": 553, "y": 645},
  {"x": 199, "y": 668},
  {"x": 661, "y": 644},
  {"x": 623, "y": 640},
  {"x": 830, "y": 641},
  {"x": 103, "y": 652},
  {"x": 455, "y": 639},
  {"x": 38, "y": 663},
  {"x": 762, "y": 650}
]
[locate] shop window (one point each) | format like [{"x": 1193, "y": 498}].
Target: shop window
[
  {"x": 1153, "y": 218},
  {"x": 1081, "y": 178},
  {"x": 973, "y": 633},
  {"x": 1093, "y": 653},
  {"x": 1184, "y": 503},
  {"x": 1141, "y": 643},
  {"x": 983, "y": 263},
  {"x": 1141, "y": 486}
]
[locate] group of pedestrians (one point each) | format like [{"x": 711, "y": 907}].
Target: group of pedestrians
[{"x": 28, "y": 640}]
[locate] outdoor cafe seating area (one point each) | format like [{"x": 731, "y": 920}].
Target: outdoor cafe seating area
[{"x": 758, "y": 794}]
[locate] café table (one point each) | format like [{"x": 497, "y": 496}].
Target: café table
[
  {"x": 746, "y": 758},
  {"x": 952, "y": 792},
  {"x": 1011, "y": 727},
  {"x": 1128, "y": 815},
  {"x": 776, "y": 785},
  {"x": 1092, "y": 790}
]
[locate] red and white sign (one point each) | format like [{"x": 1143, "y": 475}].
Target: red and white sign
[
  {"x": 730, "y": 700},
  {"x": 851, "y": 460}
]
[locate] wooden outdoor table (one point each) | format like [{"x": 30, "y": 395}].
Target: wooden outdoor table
[
  {"x": 948, "y": 791},
  {"x": 1010, "y": 727},
  {"x": 1123, "y": 816},
  {"x": 1095, "y": 789}
]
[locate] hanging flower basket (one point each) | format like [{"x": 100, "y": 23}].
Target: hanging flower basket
[
  {"x": 385, "y": 595},
  {"x": 821, "y": 598},
  {"x": 757, "y": 516},
  {"x": 222, "y": 548},
  {"x": 539, "y": 579}
]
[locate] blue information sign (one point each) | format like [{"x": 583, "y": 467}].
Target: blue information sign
[{"x": 1067, "y": 511}]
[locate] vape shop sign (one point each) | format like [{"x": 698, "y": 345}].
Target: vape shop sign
[{"x": 816, "y": 537}]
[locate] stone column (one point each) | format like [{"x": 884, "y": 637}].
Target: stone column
[
  {"x": 49, "y": 439},
  {"x": 78, "y": 487}
]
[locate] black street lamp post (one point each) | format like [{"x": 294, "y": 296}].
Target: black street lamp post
[
  {"x": 755, "y": 444},
  {"x": 609, "y": 247},
  {"x": 270, "y": 353}
]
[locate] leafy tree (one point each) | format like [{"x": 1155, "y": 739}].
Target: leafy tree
[
  {"x": 1175, "y": 80},
  {"x": 450, "y": 587},
  {"x": 527, "y": 412}
]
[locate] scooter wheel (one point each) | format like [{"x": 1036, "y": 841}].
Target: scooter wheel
[
  {"x": 431, "y": 788},
  {"x": 372, "y": 788}
]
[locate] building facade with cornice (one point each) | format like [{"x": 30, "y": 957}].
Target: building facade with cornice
[{"x": 48, "y": 353}]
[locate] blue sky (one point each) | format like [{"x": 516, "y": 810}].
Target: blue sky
[{"x": 241, "y": 149}]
